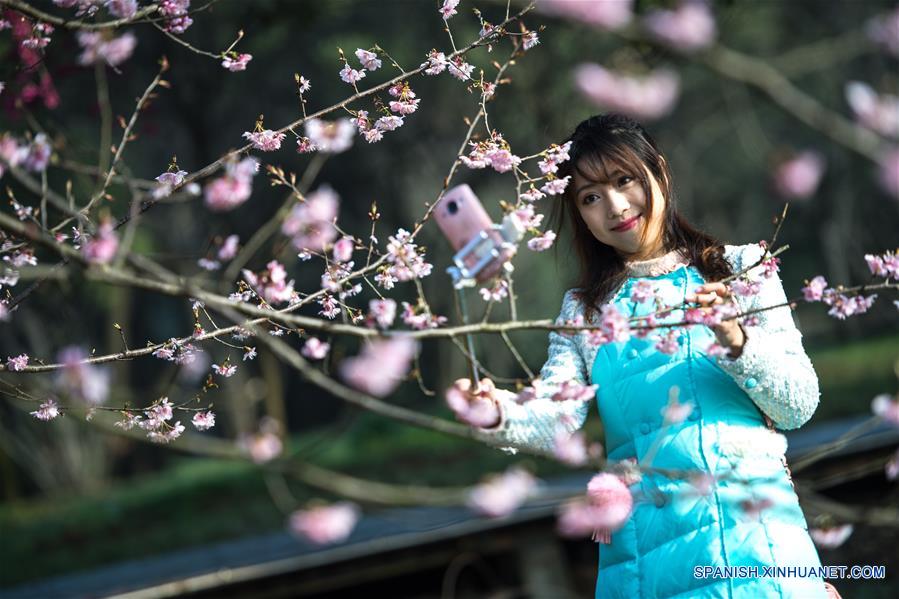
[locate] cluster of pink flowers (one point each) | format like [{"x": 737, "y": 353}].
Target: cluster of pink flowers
[
  {"x": 123, "y": 9},
  {"x": 502, "y": 494},
  {"x": 419, "y": 317},
  {"x": 436, "y": 63},
  {"x": 84, "y": 7},
  {"x": 97, "y": 47},
  {"x": 33, "y": 156},
  {"x": 798, "y": 177},
  {"x": 225, "y": 369},
  {"x": 572, "y": 448},
  {"x": 494, "y": 152},
  {"x": 330, "y": 307},
  {"x": 529, "y": 40},
  {"x": 234, "y": 188},
  {"x": 606, "y": 508},
  {"x": 167, "y": 182},
  {"x": 80, "y": 379},
  {"x": 528, "y": 217},
  {"x": 271, "y": 284},
  {"x": 831, "y": 537},
  {"x": 330, "y": 137},
  {"x": 689, "y": 27},
  {"x": 265, "y": 140},
  {"x": 572, "y": 391},
  {"x": 553, "y": 157},
  {"x": 335, "y": 272},
  {"x": 382, "y": 312},
  {"x": 642, "y": 292},
  {"x": 613, "y": 326},
  {"x": 40, "y": 36},
  {"x": 175, "y": 351},
  {"x": 155, "y": 421},
  {"x": 406, "y": 260},
  {"x": 883, "y": 29},
  {"x": 48, "y": 410},
  {"x": 669, "y": 343},
  {"x": 369, "y": 61},
  {"x": 17, "y": 363},
  {"x": 325, "y": 524},
  {"x": 234, "y": 61},
  {"x": 448, "y": 9},
  {"x": 102, "y": 247},
  {"x": 226, "y": 251},
  {"x": 647, "y": 97},
  {"x": 475, "y": 407},
  {"x": 175, "y": 12},
  {"x": 203, "y": 421},
  {"x": 265, "y": 444},
  {"x": 381, "y": 366},
  {"x": 375, "y": 133},
  {"x": 311, "y": 222},
  {"x": 542, "y": 242},
  {"x": 885, "y": 265},
  {"x": 497, "y": 292}
]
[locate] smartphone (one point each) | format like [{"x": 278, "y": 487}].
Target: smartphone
[{"x": 463, "y": 219}]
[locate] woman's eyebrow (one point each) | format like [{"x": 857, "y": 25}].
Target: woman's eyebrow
[{"x": 583, "y": 187}]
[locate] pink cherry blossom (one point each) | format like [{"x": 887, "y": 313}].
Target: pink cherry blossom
[
  {"x": 203, "y": 421},
  {"x": 96, "y": 47},
  {"x": 578, "y": 519},
  {"x": 368, "y": 59},
  {"x": 262, "y": 447},
  {"x": 883, "y": 29},
  {"x": 543, "y": 242},
  {"x": 405, "y": 258},
  {"x": 887, "y": 407},
  {"x": 311, "y": 223},
  {"x": 689, "y": 27},
  {"x": 437, "y": 61},
  {"x": 642, "y": 291},
  {"x": 459, "y": 69},
  {"x": 877, "y": 112},
  {"x": 573, "y": 391},
  {"x": 177, "y": 20},
  {"x": 226, "y": 370},
  {"x": 350, "y": 75},
  {"x": 234, "y": 188},
  {"x": 229, "y": 248},
  {"x": 102, "y": 248},
  {"x": 448, "y": 9},
  {"x": 325, "y": 524},
  {"x": 889, "y": 171},
  {"x": 502, "y": 160},
  {"x": 843, "y": 306},
  {"x": 382, "y": 311},
  {"x": 529, "y": 40},
  {"x": 381, "y": 366},
  {"x": 609, "y": 493},
  {"x": 799, "y": 176},
  {"x": 315, "y": 349},
  {"x": 502, "y": 494},
  {"x": 497, "y": 292},
  {"x": 404, "y": 106},
  {"x": 330, "y": 137},
  {"x": 676, "y": 412},
  {"x": 419, "y": 317},
  {"x": 37, "y": 157},
  {"x": 123, "y": 9},
  {"x": 555, "y": 186},
  {"x": 668, "y": 343},
  {"x": 249, "y": 353},
  {"x": 343, "y": 249},
  {"x": 814, "y": 289},
  {"x": 236, "y": 62},
  {"x": 389, "y": 123},
  {"x": 744, "y": 287},
  {"x": 265, "y": 140},
  {"x": 167, "y": 181},
  {"x": 48, "y": 410},
  {"x": 832, "y": 537},
  {"x": 271, "y": 283},
  {"x": 527, "y": 217},
  {"x": 570, "y": 448},
  {"x": 647, "y": 97},
  {"x": 609, "y": 14},
  {"x": 476, "y": 408},
  {"x": 80, "y": 379}
]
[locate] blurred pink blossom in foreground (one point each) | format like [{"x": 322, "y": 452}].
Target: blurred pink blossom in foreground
[
  {"x": 830, "y": 537},
  {"x": 325, "y": 524},
  {"x": 688, "y": 27},
  {"x": 311, "y": 222},
  {"x": 80, "y": 379},
  {"x": 647, "y": 97},
  {"x": 478, "y": 410},
  {"x": 877, "y": 112},
  {"x": 331, "y": 136},
  {"x": 889, "y": 172},
  {"x": 799, "y": 176},
  {"x": 381, "y": 366},
  {"x": 502, "y": 494},
  {"x": 232, "y": 190},
  {"x": 608, "y": 14},
  {"x": 884, "y": 30},
  {"x": 607, "y": 507}
]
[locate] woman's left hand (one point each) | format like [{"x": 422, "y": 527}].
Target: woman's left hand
[{"x": 729, "y": 332}]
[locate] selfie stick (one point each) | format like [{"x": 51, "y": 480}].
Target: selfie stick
[{"x": 486, "y": 249}]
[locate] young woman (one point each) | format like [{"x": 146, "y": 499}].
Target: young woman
[{"x": 736, "y": 377}]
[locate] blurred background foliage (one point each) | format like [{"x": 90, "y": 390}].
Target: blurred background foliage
[{"x": 68, "y": 487}]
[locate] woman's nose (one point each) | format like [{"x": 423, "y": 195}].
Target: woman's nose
[{"x": 617, "y": 203}]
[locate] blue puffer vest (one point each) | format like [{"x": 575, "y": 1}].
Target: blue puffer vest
[{"x": 675, "y": 527}]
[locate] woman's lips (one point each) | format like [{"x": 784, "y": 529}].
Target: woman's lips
[{"x": 628, "y": 224}]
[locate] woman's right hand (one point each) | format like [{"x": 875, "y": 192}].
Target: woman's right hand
[{"x": 475, "y": 406}]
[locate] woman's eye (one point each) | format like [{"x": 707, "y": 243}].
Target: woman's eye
[
  {"x": 587, "y": 197},
  {"x": 624, "y": 180}
]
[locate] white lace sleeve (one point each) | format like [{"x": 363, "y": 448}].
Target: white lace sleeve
[
  {"x": 535, "y": 423},
  {"x": 773, "y": 369}
]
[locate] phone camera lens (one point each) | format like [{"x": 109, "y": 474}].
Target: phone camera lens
[{"x": 452, "y": 207}]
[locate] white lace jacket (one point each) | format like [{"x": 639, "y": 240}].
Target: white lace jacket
[{"x": 773, "y": 369}]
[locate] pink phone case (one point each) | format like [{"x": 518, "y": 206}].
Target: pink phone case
[{"x": 461, "y": 217}]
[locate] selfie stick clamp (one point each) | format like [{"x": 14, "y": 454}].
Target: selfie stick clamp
[{"x": 485, "y": 247}]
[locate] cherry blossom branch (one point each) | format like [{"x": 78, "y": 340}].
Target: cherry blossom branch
[{"x": 75, "y": 24}]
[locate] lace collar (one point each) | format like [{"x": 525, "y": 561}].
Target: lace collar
[{"x": 655, "y": 267}]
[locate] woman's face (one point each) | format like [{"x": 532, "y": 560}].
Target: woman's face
[{"x": 614, "y": 208}]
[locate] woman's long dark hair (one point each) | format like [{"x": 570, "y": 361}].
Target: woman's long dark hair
[{"x": 610, "y": 140}]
